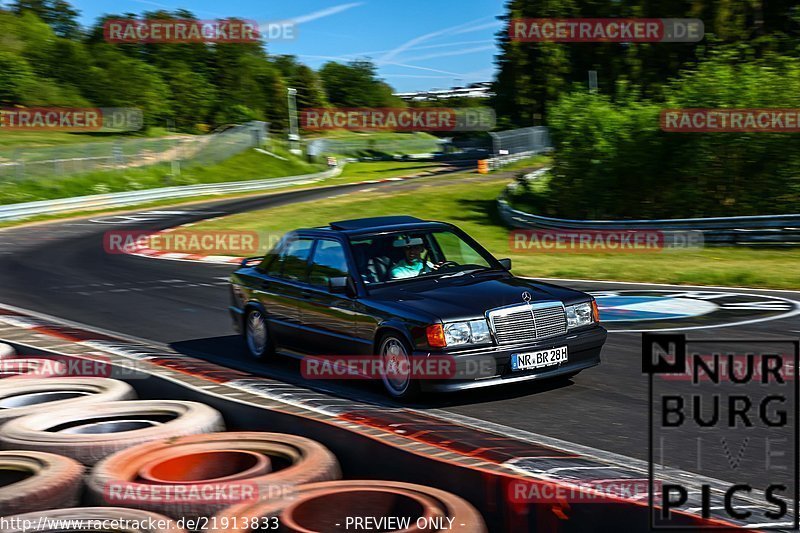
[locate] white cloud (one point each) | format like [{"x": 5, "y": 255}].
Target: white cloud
[
  {"x": 451, "y": 53},
  {"x": 453, "y": 30},
  {"x": 327, "y": 12}
]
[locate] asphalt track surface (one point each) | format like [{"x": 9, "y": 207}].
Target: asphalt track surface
[{"x": 61, "y": 269}]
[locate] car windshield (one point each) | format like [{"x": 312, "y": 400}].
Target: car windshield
[{"x": 397, "y": 256}]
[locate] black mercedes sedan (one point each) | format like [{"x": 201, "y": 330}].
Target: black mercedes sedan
[{"x": 419, "y": 305}]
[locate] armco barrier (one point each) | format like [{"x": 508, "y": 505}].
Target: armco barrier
[
  {"x": 100, "y": 201},
  {"x": 779, "y": 230}
]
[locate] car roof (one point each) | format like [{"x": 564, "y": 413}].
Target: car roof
[{"x": 361, "y": 226}]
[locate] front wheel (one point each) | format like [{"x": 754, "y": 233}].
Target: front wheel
[
  {"x": 256, "y": 335},
  {"x": 397, "y": 375}
]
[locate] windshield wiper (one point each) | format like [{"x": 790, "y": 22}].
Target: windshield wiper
[{"x": 460, "y": 273}]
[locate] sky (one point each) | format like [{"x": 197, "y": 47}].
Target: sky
[{"x": 416, "y": 44}]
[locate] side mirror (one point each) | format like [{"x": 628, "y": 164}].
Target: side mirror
[
  {"x": 505, "y": 263},
  {"x": 342, "y": 285}
]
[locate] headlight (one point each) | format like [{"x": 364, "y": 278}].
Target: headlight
[
  {"x": 459, "y": 333},
  {"x": 579, "y": 315},
  {"x": 456, "y": 333},
  {"x": 480, "y": 331}
]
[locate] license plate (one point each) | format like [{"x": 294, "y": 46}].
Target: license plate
[{"x": 543, "y": 358}]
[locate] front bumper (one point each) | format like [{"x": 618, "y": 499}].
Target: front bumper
[{"x": 491, "y": 365}]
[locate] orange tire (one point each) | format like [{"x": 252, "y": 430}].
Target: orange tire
[
  {"x": 221, "y": 464},
  {"x": 326, "y": 507}
]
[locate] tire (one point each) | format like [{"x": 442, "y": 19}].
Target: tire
[
  {"x": 99, "y": 430},
  {"x": 46, "y": 481},
  {"x": 294, "y": 461},
  {"x": 323, "y": 507},
  {"x": 255, "y": 326},
  {"x": 20, "y": 397},
  {"x": 83, "y": 518},
  {"x": 393, "y": 348},
  {"x": 7, "y": 351}
]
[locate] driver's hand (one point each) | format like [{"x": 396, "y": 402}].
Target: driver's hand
[{"x": 438, "y": 265}]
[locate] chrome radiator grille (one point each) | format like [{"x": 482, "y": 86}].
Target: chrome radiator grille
[{"x": 527, "y": 322}]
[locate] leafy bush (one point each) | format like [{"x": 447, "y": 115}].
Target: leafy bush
[{"x": 612, "y": 159}]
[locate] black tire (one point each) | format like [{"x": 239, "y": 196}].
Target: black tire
[
  {"x": 394, "y": 346},
  {"x": 259, "y": 349}
]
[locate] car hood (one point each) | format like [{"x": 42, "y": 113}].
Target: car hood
[{"x": 471, "y": 296}]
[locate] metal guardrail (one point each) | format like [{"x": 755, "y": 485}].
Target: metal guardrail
[
  {"x": 98, "y": 201},
  {"x": 174, "y": 152},
  {"x": 779, "y": 230}
]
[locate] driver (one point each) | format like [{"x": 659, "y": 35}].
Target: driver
[{"x": 412, "y": 264}]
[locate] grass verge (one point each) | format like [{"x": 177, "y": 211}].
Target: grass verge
[
  {"x": 353, "y": 173},
  {"x": 250, "y": 164},
  {"x": 471, "y": 205}
]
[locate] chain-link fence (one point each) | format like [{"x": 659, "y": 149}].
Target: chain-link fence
[
  {"x": 512, "y": 145},
  {"x": 375, "y": 146},
  {"x": 173, "y": 151}
]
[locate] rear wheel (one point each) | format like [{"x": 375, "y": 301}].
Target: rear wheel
[
  {"x": 396, "y": 363},
  {"x": 256, "y": 335}
]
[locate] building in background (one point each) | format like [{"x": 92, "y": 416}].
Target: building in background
[{"x": 481, "y": 89}]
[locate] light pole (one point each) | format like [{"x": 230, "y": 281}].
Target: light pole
[{"x": 294, "y": 136}]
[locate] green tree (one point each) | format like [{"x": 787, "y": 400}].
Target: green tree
[
  {"x": 59, "y": 14},
  {"x": 356, "y": 85}
]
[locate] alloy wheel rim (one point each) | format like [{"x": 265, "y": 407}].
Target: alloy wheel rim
[
  {"x": 394, "y": 357},
  {"x": 256, "y": 333}
]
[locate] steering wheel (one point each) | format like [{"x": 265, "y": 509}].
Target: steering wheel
[{"x": 445, "y": 264}]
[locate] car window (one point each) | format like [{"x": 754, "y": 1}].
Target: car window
[
  {"x": 454, "y": 249},
  {"x": 292, "y": 263},
  {"x": 401, "y": 255},
  {"x": 329, "y": 262}
]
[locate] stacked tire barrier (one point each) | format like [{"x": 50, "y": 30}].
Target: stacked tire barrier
[
  {"x": 76, "y": 452},
  {"x": 338, "y": 505}
]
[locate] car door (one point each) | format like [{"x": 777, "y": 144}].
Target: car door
[
  {"x": 281, "y": 289},
  {"x": 330, "y": 317}
]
